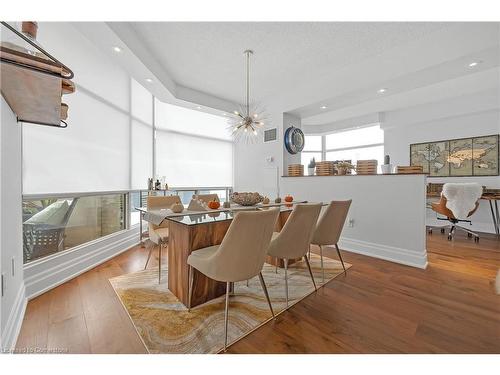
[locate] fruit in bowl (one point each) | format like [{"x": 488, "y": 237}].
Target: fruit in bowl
[
  {"x": 246, "y": 199},
  {"x": 288, "y": 198},
  {"x": 177, "y": 208},
  {"x": 214, "y": 205}
]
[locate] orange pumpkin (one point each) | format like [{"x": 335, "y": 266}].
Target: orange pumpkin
[
  {"x": 288, "y": 198},
  {"x": 213, "y": 205}
]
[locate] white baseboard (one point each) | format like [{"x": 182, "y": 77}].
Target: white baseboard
[
  {"x": 15, "y": 320},
  {"x": 49, "y": 272},
  {"x": 392, "y": 254}
]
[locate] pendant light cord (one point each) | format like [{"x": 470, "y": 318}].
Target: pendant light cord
[{"x": 248, "y": 83}]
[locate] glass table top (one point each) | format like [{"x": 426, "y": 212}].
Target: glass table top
[{"x": 216, "y": 216}]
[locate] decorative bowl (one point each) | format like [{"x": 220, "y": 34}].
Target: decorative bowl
[
  {"x": 246, "y": 199},
  {"x": 177, "y": 208}
]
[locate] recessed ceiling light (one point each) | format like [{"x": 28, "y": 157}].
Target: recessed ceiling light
[
  {"x": 149, "y": 80},
  {"x": 382, "y": 90},
  {"x": 474, "y": 63},
  {"x": 198, "y": 107},
  {"x": 117, "y": 49},
  {"x": 323, "y": 107}
]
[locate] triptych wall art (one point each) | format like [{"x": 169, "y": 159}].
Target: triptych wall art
[{"x": 475, "y": 156}]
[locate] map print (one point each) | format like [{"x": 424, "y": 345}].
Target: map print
[
  {"x": 419, "y": 155},
  {"x": 460, "y": 158},
  {"x": 478, "y": 156},
  {"x": 485, "y": 155},
  {"x": 438, "y": 159}
]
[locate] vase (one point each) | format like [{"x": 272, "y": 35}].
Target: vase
[
  {"x": 342, "y": 171},
  {"x": 310, "y": 171},
  {"x": 386, "y": 168}
]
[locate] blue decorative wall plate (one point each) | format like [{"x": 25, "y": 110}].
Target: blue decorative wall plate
[{"x": 294, "y": 140}]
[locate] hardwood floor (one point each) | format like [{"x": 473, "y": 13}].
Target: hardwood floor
[{"x": 378, "y": 307}]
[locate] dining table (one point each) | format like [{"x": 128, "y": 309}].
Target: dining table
[{"x": 189, "y": 231}]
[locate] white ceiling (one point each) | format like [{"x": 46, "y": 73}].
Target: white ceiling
[
  {"x": 209, "y": 56},
  {"x": 337, "y": 64}
]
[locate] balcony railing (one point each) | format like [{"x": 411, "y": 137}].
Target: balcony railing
[{"x": 57, "y": 222}]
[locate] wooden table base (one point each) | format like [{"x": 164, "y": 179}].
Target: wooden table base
[{"x": 183, "y": 239}]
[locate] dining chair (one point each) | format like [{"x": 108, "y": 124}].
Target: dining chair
[
  {"x": 329, "y": 228},
  {"x": 205, "y": 198},
  {"x": 239, "y": 257},
  {"x": 158, "y": 234},
  {"x": 294, "y": 239}
]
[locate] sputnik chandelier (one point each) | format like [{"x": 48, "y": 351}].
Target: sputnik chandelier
[{"x": 249, "y": 119}]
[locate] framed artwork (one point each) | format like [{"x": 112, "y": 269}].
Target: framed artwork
[
  {"x": 485, "y": 155},
  {"x": 475, "y": 156},
  {"x": 419, "y": 155},
  {"x": 439, "y": 154},
  {"x": 460, "y": 158}
]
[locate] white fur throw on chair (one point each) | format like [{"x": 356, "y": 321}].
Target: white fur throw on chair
[{"x": 461, "y": 198}]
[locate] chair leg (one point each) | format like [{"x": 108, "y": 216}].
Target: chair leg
[
  {"x": 322, "y": 267},
  {"x": 263, "y": 284},
  {"x": 226, "y": 315},
  {"x": 159, "y": 263},
  {"x": 469, "y": 233},
  {"x": 286, "y": 280},
  {"x": 310, "y": 272},
  {"x": 340, "y": 257},
  {"x": 190, "y": 283},
  {"x": 450, "y": 234},
  {"x": 248, "y": 282},
  {"x": 149, "y": 257}
]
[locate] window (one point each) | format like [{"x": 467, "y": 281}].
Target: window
[
  {"x": 312, "y": 149},
  {"x": 354, "y": 144},
  {"x": 193, "y": 148},
  {"x": 355, "y": 138},
  {"x": 54, "y": 224}
]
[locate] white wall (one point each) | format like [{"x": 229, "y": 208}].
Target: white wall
[
  {"x": 465, "y": 116},
  {"x": 386, "y": 224},
  {"x": 13, "y": 302}
]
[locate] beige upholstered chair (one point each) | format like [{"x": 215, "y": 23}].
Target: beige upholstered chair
[
  {"x": 205, "y": 198},
  {"x": 294, "y": 239},
  {"x": 329, "y": 228},
  {"x": 158, "y": 234},
  {"x": 240, "y": 256}
]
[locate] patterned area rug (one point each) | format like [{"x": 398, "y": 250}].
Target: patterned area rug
[{"x": 166, "y": 326}]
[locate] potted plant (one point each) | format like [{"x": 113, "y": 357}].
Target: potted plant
[
  {"x": 387, "y": 166},
  {"x": 344, "y": 167},
  {"x": 311, "y": 166}
]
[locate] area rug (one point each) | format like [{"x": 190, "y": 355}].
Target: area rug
[{"x": 165, "y": 325}]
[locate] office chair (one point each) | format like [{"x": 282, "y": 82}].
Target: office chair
[{"x": 441, "y": 208}]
